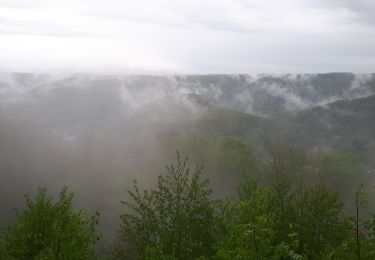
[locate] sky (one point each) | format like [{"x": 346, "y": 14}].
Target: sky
[{"x": 187, "y": 36}]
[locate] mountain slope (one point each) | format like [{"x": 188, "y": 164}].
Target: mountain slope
[{"x": 264, "y": 94}]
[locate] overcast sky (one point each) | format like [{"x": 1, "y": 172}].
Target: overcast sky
[{"x": 187, "y": 36}]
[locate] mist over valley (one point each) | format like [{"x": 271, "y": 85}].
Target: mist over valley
[{"x": 95, "y": 133}]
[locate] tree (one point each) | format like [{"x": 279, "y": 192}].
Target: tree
[
  {"x": 249, "y": 235},
  {"x": 341, "y": 173},
  {"x": 360, "y": 202},
  {"x": 318, "y": 221},
  {"x": 174, "y": 221},
  {"x": 360, "y": 243},
  {"x": 282, "y": 163},
  {"x": 51, "y": 230},
  {"x": 285, "y": 218},
  {"x": 226, "y": 160}
]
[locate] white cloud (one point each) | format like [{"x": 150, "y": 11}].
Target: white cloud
[{"x": 188, "y": 36}]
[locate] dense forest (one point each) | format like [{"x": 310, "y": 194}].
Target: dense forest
[
  {"x": 268, "y": 167},
  {"x": 291, "y": 205}
]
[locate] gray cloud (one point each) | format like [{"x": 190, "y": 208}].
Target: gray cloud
[
  {"x": 9, "y": 26},
  {"x": 226, "y": 36},
  {"x": 364, "y": 9}
]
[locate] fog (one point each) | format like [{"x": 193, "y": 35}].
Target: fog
[
  {"x": 95, "y": 133},
  {"x": 94, "y": 94},
  {"x": 93, "y": 139}
]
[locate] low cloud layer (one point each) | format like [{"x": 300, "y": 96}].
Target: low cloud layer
[{"x": 225, "y": 36}]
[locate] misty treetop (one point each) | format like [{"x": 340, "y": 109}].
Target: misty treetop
[
  {"x": 282, "y": 216},
  {"x": 95, "y": 133},
  {"x": 297, "y": 198},
  {"x": 285, "y": 208},
  {"x": 175, "y": 220},
  {"x": 50, "y": 230}
]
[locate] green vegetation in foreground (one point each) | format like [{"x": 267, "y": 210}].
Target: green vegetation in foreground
[
  {"x": 50, "y": 230},
  {"x": 289, "y": 208}
]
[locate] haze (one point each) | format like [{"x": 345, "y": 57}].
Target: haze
[
  {"x": 152, "y": 37},
  {"x": 95, "y": 94}
]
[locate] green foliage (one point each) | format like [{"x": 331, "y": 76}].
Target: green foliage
[
  {"x": 291, "y": 213},
  {"x": 287, "y": 206},
  {"x": 155, "y": 253},
  {"x": 341, "y": 173},
  {"x": 48, "y": 230},
  {"x": 286, "y": 219},
  {"x": 285, "y": 163},
  {"x": 319, "y": 221},
  {"x": 226, "y": 160},
  {"x": 175, "y": 220},
  {"x": 249, "y": 235},
  {"x": 361, "y": 244},
  {"x": 234, "y": 156},
  {"x": 223, "y": 156}
]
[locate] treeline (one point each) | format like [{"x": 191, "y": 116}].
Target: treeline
[
  {"x": 50, "y": 230},
  {"x": 285, "y": 208}
]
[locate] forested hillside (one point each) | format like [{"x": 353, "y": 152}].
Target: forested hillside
[
  {"x": 288, "y": 159},
  {"x": 285, "y": 207}
]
